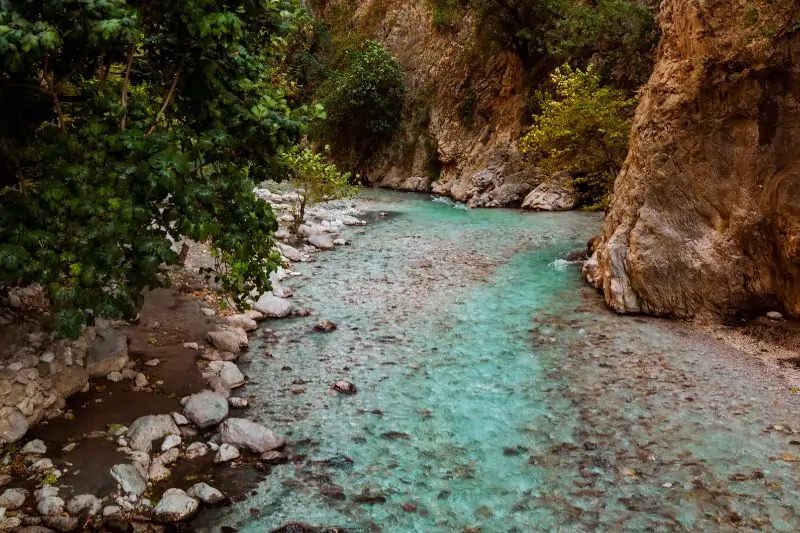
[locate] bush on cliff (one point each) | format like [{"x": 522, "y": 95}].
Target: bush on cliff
[
  {"x": 124, "y": 126},
  {"x": 583, "y": 128}
]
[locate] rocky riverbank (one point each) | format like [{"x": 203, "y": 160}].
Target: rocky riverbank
[{"x": 137, "y": 427}]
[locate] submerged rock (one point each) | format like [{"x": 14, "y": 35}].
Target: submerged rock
[
  {"x": 326, "y": 326},
  {"x": 345, "y": 387},
  {"x": 206, "y": 494}
]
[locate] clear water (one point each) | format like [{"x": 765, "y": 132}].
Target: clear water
[{"x": 497, "y": 394}]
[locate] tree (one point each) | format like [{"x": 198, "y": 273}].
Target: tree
[
  {"x": 125, "y": 126},
  {"x": 314, "y": 179},
  {"x": 583, "y": 128}
]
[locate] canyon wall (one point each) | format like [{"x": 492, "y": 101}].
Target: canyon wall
[
  {"x": 705, "y": 219},
  {"x": 465, "y": 108}
]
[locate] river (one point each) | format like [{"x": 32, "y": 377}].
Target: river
[{"x": 496, "y": 393}]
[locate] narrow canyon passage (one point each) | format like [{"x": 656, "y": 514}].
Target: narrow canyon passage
[{"x": 496, "y": 393}]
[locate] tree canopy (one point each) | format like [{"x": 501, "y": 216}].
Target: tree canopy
[{"x": 126, "y": 126}]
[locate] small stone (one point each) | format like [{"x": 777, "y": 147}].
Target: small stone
[
  {"x": 148, "y": 428},
  {"x": 69, "y": 447},
  {"x": 64, "y": 524},
  {"x": 37, "y": 447},
  {"x": 345, "y": 387},
  {"x": 86, "y": 504},
  {"x": 11, "y": 523},
  {"x": 208, "y": 312},
  {"x": 111, "y": 510},
  {"x": 46, "y": 491},
  {"x": 47, "y": 357},
  {"x": 42, "y": 465},
  {"x": 774, "y": 315},
  {"x": 206, "y": 494},
  {"x": 13, "y": 498},
  {"x": 170, "y": 441},
  {"x": 213, "y": 446},
  {"x": 50, "y": 506},
  {"x": 179, "y": 419},
  {"x": 243, "y": 433},
  {"x": 241, "y": 321},
  {"x": 168, "y": 457},
  {"x": 175, "y": 506},
  {"x": 238, "y": 403},
  {"x": 326, "y": 326},
  {"x": 129, "y": 374},
  {"x": 226, "y": 340},
  {"x": 140, "y": 380},
  {"x": 226, "y": 453},
  {"x": 667, "y": 485},
  {"x": 273, "y": 457},
  {"x": 129, "y": 478},
  {"x": 195, "y": 450},
  {"x": 206, "y": 409},
  {"x": 158, "y": 472},
  {"x": 339, "y": 242},
  {"x": 191, "y": 346},
  {"x": 115, "y": 377},
  {"x": 152, "y": 362}
]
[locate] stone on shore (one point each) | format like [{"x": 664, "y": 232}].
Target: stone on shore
[
  {"x": 13, "y": 498},
  {"x": 238, "y": 403},
  {"x": 273, "y": 307},
  {"x": 243, "y": 433},
  {"x": 36, "y": 447},
  {"x": 229, "y": 373},
  {"x": 228, "y": 340},
  {"x": 226, "y": 453},
  {"x": 241, "y": 321},
  {"x": 321, "y": 241},
  {"x": 206, "y": 409},
  {"x": 158, "y": 472},
  {"x": 195, "y": 450},
  {"x": 775, "y": 315},
  {"x": 13, "y": 427},
  {"x": 175, "y": 506},
  {"x": 129, "y": 478},
  {"x": 50, "y": 506},
  {"x": 290, "y": 252},
  {"x": 170, "y": 441},
  {"x": 65, "y": 524},
  {"x": 87, "y": 504},
  {"x": 206, "y": 494},
  {"x": 109, "y": 353},
  {"x": 146, "y": 429}
]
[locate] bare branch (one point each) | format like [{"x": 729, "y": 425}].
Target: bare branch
[
  {"x": 168, "y": 98},
  {"x": 125, "y": 86}
]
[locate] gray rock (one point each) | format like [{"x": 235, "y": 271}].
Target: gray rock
[
  {"x": 206, "y": 409},
  {"x": 11, "y": 523},
  {"x": 321, "y": 241},
  {"x": 37, "y": 447},
  {"x": 553, "y": 194},
  {"x": 170, "y": 441},
  {"x": 140, "y": 380},
  {"x": 175, "y": 506},
  {"x": 273, "y": 457},
  {"x": 195, "y": 450},
  {"x": 226, "y": 453},
  {"x": 179, "y": 419},
  {"x": 243, "y": 433},
  {"x": 158, "y": 472},
  {"x": 146, "y": 429},
  {"x": 86, "y": 504},
  {"x": 273, "y": 307},
  {"x": 206, "y": 494},
  {"x": 290, "y": 252},
  {"x": 13, "y": 498},
  {"x": 774, "y": 315},
  {"x": 238, "y": 403},
  {"x": 50, "y": 506},
  {"x": 168, "y": 457},
  {"x": 115, "y": 377},
  {"x": 241, "y": 321},
  {"x": 46, "y": 491},
  {"x": 129, "y": 478},
  {"x": 61, "y": 523},
  {"x": 42, "y": 465},
  {"x": 153, "y": 362},
  {"x": 13, "y": 427},
  {"x": 339, "y": 242},
  {"x": 109, "y": 353},
  {"x": 111, "y": 510},
  {"x": 227, "y": 340},
  {"x": 228, "y": 372}
]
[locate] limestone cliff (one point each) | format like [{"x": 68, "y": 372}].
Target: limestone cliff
[
  {"x": 465, "y": 108},
  {"x": 705, "y": 218}
]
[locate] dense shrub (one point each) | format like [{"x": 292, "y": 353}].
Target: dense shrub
[
  {"x": 124, "y": 126},
  {"x": 583, "y": 128},
  {"x": 363, "y": 99}
]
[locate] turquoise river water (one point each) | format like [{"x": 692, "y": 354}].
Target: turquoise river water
[{"x": 496, "y": 393}]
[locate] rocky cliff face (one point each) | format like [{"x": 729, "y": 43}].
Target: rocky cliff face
[
  {"x": 464, "y": 113},
  {"x": 705, "y": 218}
]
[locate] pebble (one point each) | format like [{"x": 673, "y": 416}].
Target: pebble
[
  {"x": 170, "y": 441},
  {"x": 345, "y": 387},
  {"x": 191, "y": 346},
  {"x": 37, "y": 447},
  {"x": 115, "y": 377},
  {"x": 226, "y": 453},
  {"x": 206, "y": 494},
  {"x": 140, "y": 380},
  {"x": 153, "y": 362},
  {"x": 238, "y": 403},
  {"x": 195, "y": 450},
  {"x": 69, "y": 447},
  {"x": 179, "y": 419}
]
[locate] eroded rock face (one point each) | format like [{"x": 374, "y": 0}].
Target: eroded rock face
[{"x": 705, "y": 218}]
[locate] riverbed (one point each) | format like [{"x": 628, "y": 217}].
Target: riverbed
[{"x": 496, "y": 393}]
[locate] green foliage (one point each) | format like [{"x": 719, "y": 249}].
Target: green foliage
[
  {"x": 622, "y": 33},
  {"x": 446, "y": 13},
  {"x": 583, "y": 128},
  {"x": 363, "y": 99},
  {"x": 124, "y": 127},
  {"x": 315, "y": 179}
]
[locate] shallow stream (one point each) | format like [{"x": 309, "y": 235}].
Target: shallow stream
[{"x": 496, "y": 393}]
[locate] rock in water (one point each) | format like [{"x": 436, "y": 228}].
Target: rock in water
[
  {"x": 146, "y": 429},
  {"x": 226, "y": 453},
  {"x": 87, "y": 504},
  {"x": 195, "y": 450},
  {"x": 290, "y": 253},
  {"x": 242, "y": 321},
  {"x": 175, "y": 506},
  {"x": 227, "y": 340},
  {"x": 206, "y": 494},
  {"x": 273, "y": 307},
  {"x": 321, "y": 241},
  {"x": 553, "y": 194},
  {"x": 37, "y": 447},
  {"x": 206, "y": 409},
  {"x": 345, "y": 387},
  {"x": 13, "y": 427},
  {"x": 326, "y": 326},
  {"x": 243, "y": 433},
  {"x": 129, "y": 478},
  {"x": 228, "y": 372}
]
